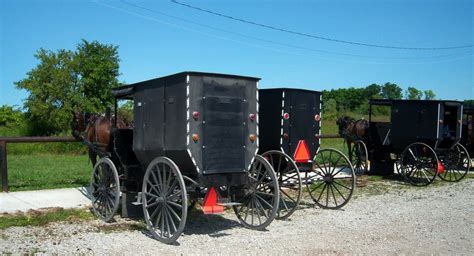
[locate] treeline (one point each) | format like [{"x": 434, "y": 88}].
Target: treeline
[{"x": 356, "y": 100}]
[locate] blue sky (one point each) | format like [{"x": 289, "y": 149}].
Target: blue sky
[{"x": 153, "y": 45}]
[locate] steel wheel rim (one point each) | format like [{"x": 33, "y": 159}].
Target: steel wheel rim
[
  {"x": 164, "y": 200},
  {"x": 359, "y": 157},
  {"x": 289, "y": 181},
  {"x": 419, "y": 164},
  {"x": 260, "y": 205},
  {"x": 333, "y": 181},
  {"x": 105, "y": 189},
  {"x": 455, "y": 169}
]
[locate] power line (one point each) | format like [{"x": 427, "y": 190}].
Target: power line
[
  {"x": 316, "y": 36},
  {"x": 276, "y": 42},
  {"x": 261, "y": 46}
]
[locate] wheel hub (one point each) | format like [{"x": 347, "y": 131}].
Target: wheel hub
[
  {"x": 328, "y": 178},
  {"x": 160, "y": 200}
]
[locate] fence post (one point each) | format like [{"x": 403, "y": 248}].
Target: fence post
[{"x": 3, "y": 166}]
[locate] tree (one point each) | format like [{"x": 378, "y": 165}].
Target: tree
[
  {"x": 429, "y": 95},
  {"x": 372, "y": 90},
  {"x": 391, "y": 91},
  {"x": 330, "y": 109},
  {"x": 66, "y": 81},
  {"x": 413, "y": 94}
]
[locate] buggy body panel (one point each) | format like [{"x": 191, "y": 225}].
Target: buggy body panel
[
  {"x": 302, "y": 107},
  {"x": 434, "y": 122}
]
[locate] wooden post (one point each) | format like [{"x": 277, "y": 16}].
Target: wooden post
[{"x": 3, "y": 166}]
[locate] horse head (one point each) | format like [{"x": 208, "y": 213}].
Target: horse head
[
  {"x": 79, "y": 123},
  {"x": 343, "y": 124}
]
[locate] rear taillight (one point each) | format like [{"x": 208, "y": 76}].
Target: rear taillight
[
  {"x": 286, "y": 136},
  {"x": 317, "y": 118},
  {"x": 252, "y": 117},
  {"x": 195, "y": 137},
  {"x": 286, "y": 116}
]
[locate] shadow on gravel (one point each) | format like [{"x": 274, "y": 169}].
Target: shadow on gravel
[{"x": 213, "y": 225}]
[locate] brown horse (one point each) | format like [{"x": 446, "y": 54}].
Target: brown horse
[
  {"x": 352, "y": 130},
  {"x": 96, "y": 130}
]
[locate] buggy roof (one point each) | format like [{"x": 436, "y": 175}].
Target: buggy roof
[
  {"x": 127, "y": 91},
  {"x": 289, "y": 89},
  {"x": 469, "y": 110},
  {"x": 385, "y": 102}
]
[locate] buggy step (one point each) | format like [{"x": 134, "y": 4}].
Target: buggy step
[
  {"x": 229, "y": 204},
  {"x": 139, "y": 199}
]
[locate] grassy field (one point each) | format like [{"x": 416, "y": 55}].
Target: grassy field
[
  {"x": 31, "y": 172},
  {"x": 61, "y": 165}
]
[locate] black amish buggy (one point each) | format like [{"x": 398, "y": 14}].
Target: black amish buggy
[
  {"x": 290, "y": 125},
  {"x": 195, "y": 136},
  {"x": 467, "y": 138},
  {"x": 421, "y": 140}
]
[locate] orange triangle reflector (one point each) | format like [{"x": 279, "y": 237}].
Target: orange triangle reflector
[
  {"x": 440, "y": 167},
  {"x": 302, "y": 154},
  {"x": 211, "y": 200}
]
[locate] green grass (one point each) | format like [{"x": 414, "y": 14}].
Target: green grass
[
  {"x": 32, "y": 172},
  {"x": 41, "y": 218}
]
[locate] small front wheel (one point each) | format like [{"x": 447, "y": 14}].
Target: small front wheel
[
  {"x": 359, "y": 158},
  {"x": 105, "y": 189},
  {"x": 259, "y": 206}
]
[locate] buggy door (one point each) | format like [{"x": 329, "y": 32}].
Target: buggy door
[{"x": 303, "y": 107}]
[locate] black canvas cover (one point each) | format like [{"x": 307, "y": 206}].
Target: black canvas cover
[
  {"x": 165, "y": 123},
  {"x": 303, "y": 109},
  {"x": 437, "y": 123}
]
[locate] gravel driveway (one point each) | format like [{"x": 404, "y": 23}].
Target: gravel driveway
[{"x": 404, "y": 220}]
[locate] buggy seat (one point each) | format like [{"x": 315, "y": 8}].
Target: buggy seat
[{"x": 123, "y": 147}]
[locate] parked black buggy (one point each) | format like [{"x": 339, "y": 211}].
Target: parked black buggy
[
  {"x": 289, "y": 124},
  {"x": 195, "y": 136},
  {"x": 421, "y": 140}
]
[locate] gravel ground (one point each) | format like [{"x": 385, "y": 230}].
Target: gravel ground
[{"x": 404, "y": 220}]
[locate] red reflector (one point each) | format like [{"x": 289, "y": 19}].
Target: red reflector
[
  {"x": 252, "y": 117},
  {"x": 211, "y": 199},
  {"x": 440, "y": 167},
  {"x": 317, "y": 118},
  {"x": 286, "y": 136},
  {"x": 196, "y": 115},
  {"x": 286, "y": 116},
  {"x": 302, "y": 154}
]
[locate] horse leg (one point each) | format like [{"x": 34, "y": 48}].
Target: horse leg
[
  {"x": 349, "y": 150},
  {"x": 93, "y": 157}
]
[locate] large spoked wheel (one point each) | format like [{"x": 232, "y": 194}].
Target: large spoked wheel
[
  {"x": 332, "y": 180},
  {"x": 419, "y": 164},
  {"x": 164, "y": 198},
  {"x": 456, "y": 162},
  {"x": 259, "y": 205},
  {"x": 359, "y": 157},
  {"x": 289, "y": 180},
  {"x": 105, "y": 189}
]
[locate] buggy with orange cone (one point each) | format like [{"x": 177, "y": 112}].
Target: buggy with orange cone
[
  {"x": 421, "y": 138},
  {"x": 290, "y": 125},
  {"x": 195, "y": 136}
]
